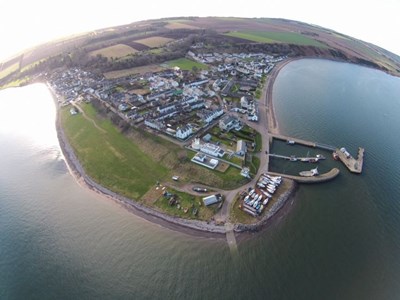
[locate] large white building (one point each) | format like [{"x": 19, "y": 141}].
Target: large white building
[{"x": 212, "y": 149}]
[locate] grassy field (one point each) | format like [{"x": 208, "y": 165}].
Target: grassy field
[
  {"x": 115, "y": 161},
  {"x": 154, "y": 41},
  {"x": 9, "y": 70},
  {"x": 115, "y": 51},
  {"x": 185, "y": 64},
  {"x": 131, "y": 165},
  {"x": 15, "y": 83},
  {"x": 276, "y": 37},
  {"x": 187, "y": 203}
]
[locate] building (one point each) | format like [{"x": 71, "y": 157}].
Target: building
[
  {"x": 212, "y": 149},
  {"x": 207, "y": 116},
  {"x": 164, "y": 108},
  {"x": 229, "y": 122},
  {"x": 207, "y": 138},
  {"x": 205, "y": 161},
  {"x": 184, "y": 132},
  {"x": 154, "y": 124},
  {"x": 241, "y": 148},
  {"x": 212, "y": 199}
]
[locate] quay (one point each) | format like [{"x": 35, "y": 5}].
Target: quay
[
  {"x": 295, "y": 158},
  {"x": 314, "y": 179},
  {"x": 302, "y": 142},
  {"x": 354, "y": 165}
]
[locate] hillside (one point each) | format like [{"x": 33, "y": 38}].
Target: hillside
[{"x": 156, "y": 41}]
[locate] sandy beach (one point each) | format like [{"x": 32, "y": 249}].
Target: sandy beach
[{"x": 191, "y": 227}]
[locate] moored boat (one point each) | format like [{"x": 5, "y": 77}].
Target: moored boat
[{"x": 312, "y": 172}]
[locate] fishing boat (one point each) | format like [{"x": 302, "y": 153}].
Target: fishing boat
[
  {"x": 335, "y": 156},
  {"x": 312, "y": 172}
]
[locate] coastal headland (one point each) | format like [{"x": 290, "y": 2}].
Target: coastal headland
[
  {"x": 187, "y": 106},
  {"x": 196, "y": 227}
]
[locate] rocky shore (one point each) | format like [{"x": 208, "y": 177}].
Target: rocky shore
[{"x": 193, "y": 227}]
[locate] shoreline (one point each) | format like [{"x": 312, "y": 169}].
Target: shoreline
[{"x": 191, "y": 227}]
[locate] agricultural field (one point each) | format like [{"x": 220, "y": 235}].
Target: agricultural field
[
  {"x": 131, "y": 71},
  {"x": 116, "y": 51},
  {"x": 185, "y": 64},
  {"x": 275, "y": 37},
  {"x": 180, "y": 25},
  {"x": 154, "y": 41}
]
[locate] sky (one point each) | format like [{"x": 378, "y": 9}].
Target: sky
[{"x": 27, "y": 23}]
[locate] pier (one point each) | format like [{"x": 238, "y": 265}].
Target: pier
[
  {"x": 354, "y": 165},
  {"x": 302, "y": 142},
  {"x": 295, "y": 158}
]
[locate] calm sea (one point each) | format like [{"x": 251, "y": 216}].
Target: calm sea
[{"x": 339, "y": 240}]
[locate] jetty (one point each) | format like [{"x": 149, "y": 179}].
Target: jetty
[
  {"x": 353, "y": 164},
  {"x": 314, "y": 179},
  {"x": 295, "y": 158},
  {"x": 292, "y": 141}
]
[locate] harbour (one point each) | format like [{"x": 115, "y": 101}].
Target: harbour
[{"x": 354, "y": 165}]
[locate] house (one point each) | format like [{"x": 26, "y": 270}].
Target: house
[
  {"x": 205, "y": 161},
  {"x": 241, "y": 148},
  {"x": 212, "y": 199},
  {"x": 73, "y": 111},
  {"x": 229, "y": 122},
  {"x": 154, "y": 124},
  {"x": 184, "y": 132},
  {"x": 207, "y": 138},
  {"x": 207, "y": 115},
  {"x": 244, "y": 102},
  {"x": 166, "y": 107}
]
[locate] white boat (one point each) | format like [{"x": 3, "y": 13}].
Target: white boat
[{"x": 312, "y": 172}]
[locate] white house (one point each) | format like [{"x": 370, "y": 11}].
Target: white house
[
  {"x": 184, "y": 132},
  {"x": 229, "y": 122},
  {"x": 153, "y": 124}
]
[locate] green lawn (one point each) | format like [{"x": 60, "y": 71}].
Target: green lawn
[
  {"x": 109, "y": 157},
  {"x": 132, "y": 165},
  {"x": 275, "y": 37},
  {"x": 186, "y": 64}
]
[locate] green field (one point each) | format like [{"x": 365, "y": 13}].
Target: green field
[
  {"x": 185, "y": 64},
  {"x": 275, "y": 37},
  {"x": 131, "y": 165},
  {"x": 9, "y": 70},
  {"x": 109, "y": 157}
]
